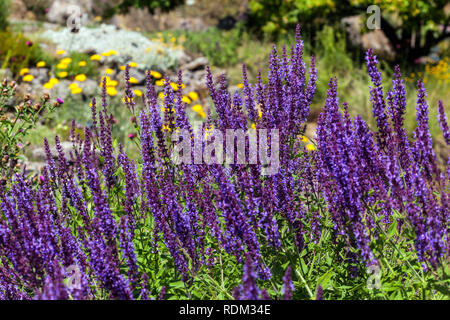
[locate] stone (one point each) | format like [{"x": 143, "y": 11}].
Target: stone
[
  {"x": 60, "y": 10},
  {"x": 39, "y": 153},
  {"x": 197, "y": 64}
]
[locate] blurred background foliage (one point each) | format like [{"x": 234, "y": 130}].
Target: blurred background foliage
[{"x": 232, "y": 32}]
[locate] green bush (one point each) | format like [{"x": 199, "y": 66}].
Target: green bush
[
  {"x": 4, "y": 12},
  {"x": 17, "y": 52}
]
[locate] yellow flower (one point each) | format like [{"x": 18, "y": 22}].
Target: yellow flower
[
  {"x": 304, "y": 139},
  {"x": 112, "y": 52},
  {"x": 106, "y": 54},
  {"x": 202, "y": 114},
  {"x": 24, "y": 71},
  {"x": 40, "y": 64},
  {"x": 62, "y": 74},
  {"x": 98, "y": 18},
  {"x": 60, "y": 52},
  {"x": 260, "y": 114},
  {"x": 111, "y": 91},
  {"x": 122, "y": 67},
  {"x": 53, "y": 81},
  {"x": 159, "y": 83},
  {"x": 73, "y": 86},
  {"x": 133, "y": 64},
  {"x": 96, "y": 57},
  {"x": 66, "y": 61},
  {"x": 155, "y": 74},
  {"x": 77, "y": 90},
  {"x": 186, "y": 99},
  {"x": 62, "y": 66},
  {"x": 253, "y": 126},
  {"x": 174, "y": 86},
  {"x": 161, "y": 95},
  {"x": 133, "y": 80},
  {"x": 109, "y": 71},
  {"x": 127, "y": 99},
  {"x": 28, "y": 78},
  {"x": 80, "y": 77},
  {"x": 197, "y": 108},
  {"x": 138, "y": 92},
  {"x": 193, "y": 95},
  {"x": 82, "y": 64},
  {"x": 112, "y": 83},
  {"x": 240, "y": 85},
  {"x": 48, "y": 85},
  {"x": 310, "y": 147}
]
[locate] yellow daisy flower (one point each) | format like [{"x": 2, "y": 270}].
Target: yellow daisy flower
[
  {"x": 77, "y": 90},
  {"x": 133, "y": 64},
  {"x": 80, "y": 77},
  {"x": 197, "y": 108},
  {"x": 138, "y": 92},
  {"x": 155, "y": 74},
  {"x": 66, "y": 61},
  {"x": 109, "y": 71},
  {"x": 48, "y": 85},
  {"x": 133, "y": 80},
  {"x": 95, "y": 57},
  {"x": 24, "y": 71},
  {"x": 310, "y": 147},
  {"x": 60, "y": 52},
  {"x": 186, "y": 99},
  {"x": 82, "y": 64},
  {"x": 53, "y": 81},
  {"x": 111, "y": 91},
  {"x": 62, "y": 74},
  {"x": 193, "y": 95},
  {"x": 28, "y": 78},
  {"x": 40, "y": 64}
]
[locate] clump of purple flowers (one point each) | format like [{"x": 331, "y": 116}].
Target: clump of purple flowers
[{"x": 103, "y": 214}]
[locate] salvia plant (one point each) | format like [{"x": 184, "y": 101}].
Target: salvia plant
[{"x": 361, "y": 214}]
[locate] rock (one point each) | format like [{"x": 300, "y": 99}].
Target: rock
[
  {"x": 380, "y": 44},
  {"x": 375, "y": 39},
  {"x": 128, "y": 46},
  {"x": 61, "y": 90},
  {"x": 39, "y": 153},
  {"x": 184, "y": 58},
  {"x": 60, "y": 10},
  {"x": 5, "y": 74},
  {"x": 89, "y": 87},
  {"x": 18, "y": 10},
  {"x": 40, "y": 74},
  {"x": 34, "y": 167},
  {"x": 198, "y": 64}
]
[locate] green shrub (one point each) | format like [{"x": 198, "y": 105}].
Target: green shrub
[
  {"x": 17, "y": 119},
  {"x": 17, "y": 52},
  {"x": 73, "y": 69},
  {"x": 4, "y": 12}
]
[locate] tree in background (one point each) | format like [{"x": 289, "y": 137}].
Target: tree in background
[{"x": 412, "y": 26}]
